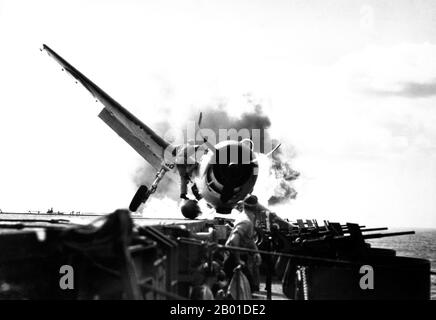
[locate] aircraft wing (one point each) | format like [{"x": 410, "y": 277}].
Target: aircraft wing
[{"x": 137, "y": 134}]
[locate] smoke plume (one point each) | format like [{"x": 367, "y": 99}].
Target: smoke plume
[
  {"x": 216, "y": 117},
  {"x": 284, "y": 175}
]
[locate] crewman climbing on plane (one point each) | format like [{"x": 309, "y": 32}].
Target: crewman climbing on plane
[{"x": 187, "y": 166}]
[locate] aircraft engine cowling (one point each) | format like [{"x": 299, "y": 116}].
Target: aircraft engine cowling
[{"x": 227, "y": 175}]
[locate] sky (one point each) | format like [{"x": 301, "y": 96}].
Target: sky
[{"x": 349, "y": 86}]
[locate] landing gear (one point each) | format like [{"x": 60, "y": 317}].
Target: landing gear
[
  {"x": 140, "y": 197},
  {"x": 190, "y": 209},
  {"x": 144, "y": 193}
]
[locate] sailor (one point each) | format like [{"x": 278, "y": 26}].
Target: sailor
[
  {"x": 243, "y": 235},
  {"x": 187, "y": 166},
  {"x": 208, "y": 282},
  {"x": 263, "y": 217},
  {"x": 266, "y": 220},
  {"x": 202, "y": 280}
]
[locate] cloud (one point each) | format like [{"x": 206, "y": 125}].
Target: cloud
[
  {"x": 406, "y": 74},
  {"x": 409, "y": 90},
  {"x": 404, "y": 70}
]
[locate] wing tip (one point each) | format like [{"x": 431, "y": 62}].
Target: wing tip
[{"x": 47, "y": 49}]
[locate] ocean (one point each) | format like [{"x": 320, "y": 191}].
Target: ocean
[{"x": 422, "y": 244}]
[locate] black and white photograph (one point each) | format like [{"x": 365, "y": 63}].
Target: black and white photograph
[{"x": 235, "y": 151}]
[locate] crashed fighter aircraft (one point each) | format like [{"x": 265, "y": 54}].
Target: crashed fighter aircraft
[{"x": 223, "y": 173}]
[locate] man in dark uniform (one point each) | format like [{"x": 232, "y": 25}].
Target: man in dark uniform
[
  {"x": 187, "y": 166},
  {"x": 243, "y": 236},
  {"x": 263, "y": 217}
]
